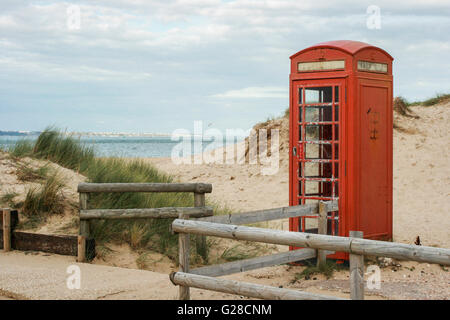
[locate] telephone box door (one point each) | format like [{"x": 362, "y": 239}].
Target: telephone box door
[{"x": 318, "y": 107}]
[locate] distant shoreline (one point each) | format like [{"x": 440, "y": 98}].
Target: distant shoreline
[
  {"x": 86, "y": 134},
  {"x": 19, "y": 133}
]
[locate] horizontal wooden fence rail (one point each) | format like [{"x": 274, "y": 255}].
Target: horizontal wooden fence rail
[
  {"x": 149, "y": 213},
  {"x": 256, "y": 263},
  {"x": 333, "y": 243},
  {"x": 144, "y": 187},
  {"x": 243, "y": 288},
  {"x": 270, "y": 214}
]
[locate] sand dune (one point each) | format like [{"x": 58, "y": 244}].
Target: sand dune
[
  {"x": 421, "y": 179},
  {"x": 421, "y": 202}
]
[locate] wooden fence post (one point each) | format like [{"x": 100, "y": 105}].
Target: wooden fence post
[
  {"x": 184, "y": 255},
  {"x": 84, "y": 229},
  {"x": 356, "y": 271},
  {"x": 322, "y": 229},
  {"x": 6, "y": 230},
  {"x": 81, "y": 249},
  {"x": 200, "y": 241}
]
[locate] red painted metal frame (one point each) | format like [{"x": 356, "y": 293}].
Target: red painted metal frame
[{"x": 365, "y": 136}]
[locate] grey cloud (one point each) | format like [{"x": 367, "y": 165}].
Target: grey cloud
[{"x": 156, "y": 55}]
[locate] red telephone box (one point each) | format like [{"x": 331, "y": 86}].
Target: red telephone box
[{"x": 341, "y": 122}]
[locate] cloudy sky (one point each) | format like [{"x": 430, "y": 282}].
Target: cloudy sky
[{"x": 158, "y": 65}]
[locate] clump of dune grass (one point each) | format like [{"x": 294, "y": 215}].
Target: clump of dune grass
[
  {"x": 102, "y": 251},
  {"x": 137, "y": 235},
  {"x": 26, "y": 173},
  {"x": 243, "y": 250},
  {"x": 327, "y": 270},
  {"x": 46, "y": 199},
  {"x": 152, "y": 234},
  {"x": 438, "y": 98},
  {"x": 238, "y": 252},
  {"x": 64, "y": 149},
  {"x": 401, "y": 106},
  {"x": 21, "y": 148},
  {"x": 143, "y": 260},
  {"x": 7, "y": 199}
]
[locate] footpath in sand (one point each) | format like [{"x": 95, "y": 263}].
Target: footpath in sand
[
  {"x": 41, "y": 276},
  {"x": 45, "y": 276}
]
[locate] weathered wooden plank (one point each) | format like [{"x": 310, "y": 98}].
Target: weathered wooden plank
[
  {"x": 184, "y": 254},
  {"x": 298, "y": 239},
  {"x": 84, "y": 224},
  {"x": 401, "y": 251},
  {"x": 57, "y": 244},
  {"x": 200, "y": 241},
  {"x": 255, "y": 263},
  {"x": 264, "y": 215},
  {"x": 243, "y": 288},
  {"x": 14, "y": 219},
  {"x": 149, "y": 213},
  {"x": 333, "y": 243},
  {"x": 145, "y": 187},
  {"x": 356, "y": 271}
]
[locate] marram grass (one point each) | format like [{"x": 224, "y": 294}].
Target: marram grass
[{"x": 69, "y": 152}]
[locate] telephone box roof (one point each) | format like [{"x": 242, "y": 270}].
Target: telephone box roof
[{"x": 348, "y": 46}]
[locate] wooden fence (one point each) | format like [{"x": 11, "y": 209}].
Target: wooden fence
[
  {"x": 86, "y": 214},
  {"x": 230, "y": 227},
  {"x": 197, "y": 276},
  {"x": 316, "y": 245}
]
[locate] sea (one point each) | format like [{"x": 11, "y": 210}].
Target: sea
[{"x": 129, "y": 146}]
